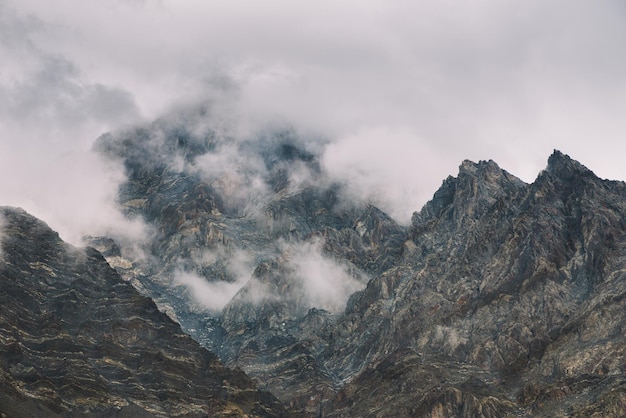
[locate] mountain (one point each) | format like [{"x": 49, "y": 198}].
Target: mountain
[
  {"x": 78, "y": 340},
  {"x": 509, "y": 301},
  {"x": 501, "y": 298},
  {"x": 210, "y": 198}
]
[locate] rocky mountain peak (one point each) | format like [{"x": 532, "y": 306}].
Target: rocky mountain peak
[
  {"x": 471, "y": 194},
  {"x": 507, "y": 280},
  {"x": 501, "y": 298},
  {"x": 484, "y": 173},
  {"x": 479, "y": 168},
  {"x": 568, "y": 181},
  {"x": 562, "y": 166},
  {"x": 373, "y": 224}
]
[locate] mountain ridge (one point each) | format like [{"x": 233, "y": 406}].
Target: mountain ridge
[
  {"x": 487, "y": 246},
  {"x": 500, "y": 298},
  {"x": 77, "y": 340}
]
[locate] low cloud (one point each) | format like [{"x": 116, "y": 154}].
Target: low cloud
[
  {"x": 403, "y": 91},
  {"x": 50, "y": 116},
  {"x": 209, "y": 295},
  {"x": 326, "y": 283},
  {"x": 244, "y": 170},
  {"x": 73, "y": 191},
  {"x": 212, "y": 294},
  {"x": 304, "y": 278},
  {"x": 237, "y": 177},
  {"x": 383, "y": 166}
]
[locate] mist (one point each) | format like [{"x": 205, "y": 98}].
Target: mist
[
  {"x": 401, "y": 93},
  {"x": 213, "y": 295},
  {"x": 50, "y": 114},
  {"x": 300, "y": 276},
  {"x": 326, "y": 283}
]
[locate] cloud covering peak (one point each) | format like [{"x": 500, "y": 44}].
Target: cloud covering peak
[{"x": 401, "y": 91}]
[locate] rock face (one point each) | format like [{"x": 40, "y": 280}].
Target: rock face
[
  {"x": 509, "y": 301},
  {"x": 306, "y": 246},
  {"x": 501, "y": 298},
  {"x": 77, "y": 340}
]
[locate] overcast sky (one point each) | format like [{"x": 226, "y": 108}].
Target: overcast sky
[{"x": 404, "y": 90}]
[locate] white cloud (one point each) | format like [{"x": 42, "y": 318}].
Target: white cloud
[
  {"x": 237, "y": 177},
  {"x": 326, "y": 283},
  {"x": 50, "y": 116},
  {"x": 422, "y": 85},
  {"x": 209, "y": 295},
  {"x": 384, "y": 166},
  {"x": 319, "y": 280},
  {"x": 214, "y": 295}
]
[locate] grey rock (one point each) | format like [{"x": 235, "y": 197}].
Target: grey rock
[
  {"x": 77, "y": 340},
  {"x": 500, "y": 298}
]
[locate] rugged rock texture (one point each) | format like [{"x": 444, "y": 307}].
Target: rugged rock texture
[
  {"x": 404, "y": 384},
  {"x": 516, "y": 291},
  {"x": 199, "y": 228},
  {"x": 501, "y": 298},
  {"x": 77, "y": 340}
]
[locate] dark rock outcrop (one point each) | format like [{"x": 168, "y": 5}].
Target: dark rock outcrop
[
  {"x": 264, "y": 328},
  {"x": 521, "y": 287},
  {"x": 77, "y": 340},
  {"x": 500, "y": 299}
]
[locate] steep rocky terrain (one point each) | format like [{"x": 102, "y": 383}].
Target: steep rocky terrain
[
  {"x": 501, "y": 297},
  {"x": 77, "y": 340},
  {"x": 513, "y": 292},
  {"x": 307, "y": 247}
]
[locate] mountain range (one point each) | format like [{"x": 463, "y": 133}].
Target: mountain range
[{"x": 264, "y": 288}]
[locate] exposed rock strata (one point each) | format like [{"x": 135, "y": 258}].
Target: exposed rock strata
[
  {"x": 501, "y": 298},
  {"x": 77, "y": 340},
  {"x": 520, "y": 287},
  {"x": 263, "y": 337}
]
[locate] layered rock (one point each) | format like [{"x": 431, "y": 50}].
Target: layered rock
[
  {"x": 501, "y": 298},
  {"x": 513, "y": 288},
  {"x": 77, "y": 340},
  {"x": 264, "y": 329}
]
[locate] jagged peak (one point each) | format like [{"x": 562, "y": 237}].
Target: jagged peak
[
  {"x": 374, "y": 224},
  {"x": 13, "y": 211},
  {"x": 372, "y": 212},
  {"x": 563, "y": 166},
  {"x": 470, "y": 167},
  {"x": 484, "y": 177},
  {"x": 485, "y": 172}
]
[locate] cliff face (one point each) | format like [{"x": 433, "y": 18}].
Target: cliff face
[
  {"x": 501, "y": 298},
  {"x": 77, "y": 340},
  {"x": 513, "y": 292},
  {"x": 308, "y": 248}
]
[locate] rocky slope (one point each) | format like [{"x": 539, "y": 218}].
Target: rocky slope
[
  {"x": 77, "y": 340},
  {"x": 306, "y": 246},
  {"x": 516, "y": 291},
  {"x": 501, "y": 297}
]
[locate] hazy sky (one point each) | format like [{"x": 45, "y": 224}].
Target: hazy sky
[{"x": 404, "y": 90}]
